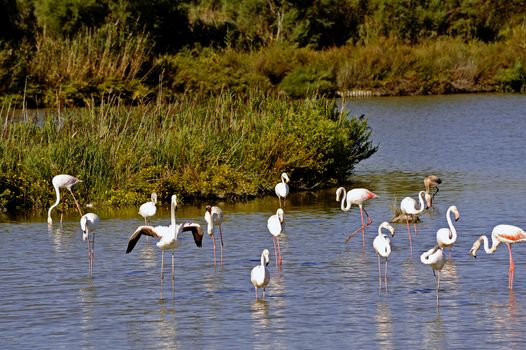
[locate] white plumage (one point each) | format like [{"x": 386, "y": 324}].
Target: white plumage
[
  {"x": 282, "y": 188},
  {"x": 276, "y": 225},
  {"x": 88, "y": 225},
  {"x": 147, "y": 210},
  {"x": 214, "y": 217},
  {"x": 63, "y": 181},
  {"x": 260, "y": 276}
]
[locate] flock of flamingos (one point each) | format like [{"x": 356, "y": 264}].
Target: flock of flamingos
[{"x": 167, "y": 236}]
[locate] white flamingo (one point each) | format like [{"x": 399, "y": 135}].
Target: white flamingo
[
  {"x": 282, "y": 189},
  {"x": 260, "y": 276},
  {"x": 63, "y": 181},
  {"x": 508, "y": 234},
  {"x": 214, "y": 216},
  {"x": 382, "y": 246},
  {"x": 147, "y": 210},
  {"x": 276, "y": 225},
  {"x": 408, "y": 207},
  {"x": 356, "y": 196},
  {"x": 435, "y": 258},
  {"x": 88, "y": 225},
  {"x": 168, "y": 238},
  {"x": 446, "y": 237}
]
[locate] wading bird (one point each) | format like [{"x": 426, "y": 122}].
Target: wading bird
[
  {"x": 168, "y": 238},
  {"x": 408, "y": 206},
  {"x": 501, "y": 234},
  {"x": 63, "y": 181},
  {"x": 446, "y": 237},
  {"x": 147, "y": 210},
  {"x": 276, "y": 225},
  {"x": 435, "y": 258},
  {"x": 214, "y": 216},
  {"x": 356, "y": 196},
  {"x": 260, "y": 276},
  {"x": 431, "y": 182},
  {"x": 282, "y": 189},
  {"x": 88, "y": 224},
  {"x": 382, "y": 246}
]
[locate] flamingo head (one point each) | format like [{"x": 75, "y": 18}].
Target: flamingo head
[
  {"x": 281, "y": 215},
  {"x": 265, "y": 257},
  {"x": 84, "y": 227},
  {"x": 154, "y": 198},
  {"x": 285, "y": 177},
  {"x": 474, "y": 248},
  {"x": 457, "y": 214},
  {"x": 209, "y": 208},
  {"x": 386, "y": 225}
]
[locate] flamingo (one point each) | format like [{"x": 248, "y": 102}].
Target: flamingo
[
  {"x": 276, "y": 225},
  {"x": 88, "y": 224},
  {"x": 408, "y": 207},
  {"x": 63, "y": 181},
  {"x": 148, "y": 209},
  {"x": 260, "y": 276},
  {"x": 508, "y": 234},
  {"x": 446, "y": 237},
  {"x": 282, "y": 189},
  {"x": 435, "y": 258},
  {"x": 167, "y": 236},
  {"x": 214, "y": 216},
  {"x": 431, "y": 181},
  {"x": 382, "y": 246},
  {"x": 356, "y": 196}
]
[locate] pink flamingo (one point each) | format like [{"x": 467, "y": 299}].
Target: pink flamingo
[
  {"x": 508, "y": 234},
  {"x": 356, "y": 196}
]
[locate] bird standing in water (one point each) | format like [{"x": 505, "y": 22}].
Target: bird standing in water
[
  {"x": 260, "y": 276},
  {"x": 214, "y": 216},
  {"x": 356, "y": 196},
  {"x": 508, "y": 234},
  {"x": 88, "y": 225},
  {"x": 435, "y": 258},
  {"x": 282, "y": 188},
  {"x": 168, "y": 238},
  {"x": 382, "y": 246}
]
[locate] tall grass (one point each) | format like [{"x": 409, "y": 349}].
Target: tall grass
[{"x": 199, "y": 147}]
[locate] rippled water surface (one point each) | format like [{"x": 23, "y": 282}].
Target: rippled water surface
[{"x": 326, "y": 294}]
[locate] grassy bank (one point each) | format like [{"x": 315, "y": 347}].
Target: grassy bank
[
  {"x": 93, "y": 65},
  {"x": 198, "y": 147}
]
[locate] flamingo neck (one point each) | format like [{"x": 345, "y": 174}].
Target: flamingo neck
[
  {"x": 451, "y": 227},
  {"x": 494, "y": 244},
  {"x": 210, "y": 222},
  {"x": 345, "y": 204},
  {"x": 421, "y": 201},
  {"x": 57, "y": 191}
]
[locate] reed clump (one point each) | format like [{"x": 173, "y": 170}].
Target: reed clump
[{"x": 199, "y": 147}]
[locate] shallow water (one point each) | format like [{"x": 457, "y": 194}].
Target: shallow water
[{"x": 326, "y": 294}]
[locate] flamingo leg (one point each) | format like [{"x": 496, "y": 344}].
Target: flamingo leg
[
  {"x": 62, "y": 212},
  {"x": 414, "y": 224},
  {"x": 438, "y": 284},
  {"x": 173, "y": 273},
  {"x": 256, "y": 289},
  {"x": 214, "y": 240},
  {"x": 77, "y": 203},
  {"x": 275, "y": 249},
  {"x": 221, "y": 235},
  {"x": 363, "y": 227},
  {"x": 263, "y": 293},
  {"x": 385, "y": 275},
  {"x": 512, "y": 268},
  {"x": 409, "y": 233},
  {"x": 379, "y": 275},
  {"x": 280, "y": 261},
  {"x": 162, "y": 273}
]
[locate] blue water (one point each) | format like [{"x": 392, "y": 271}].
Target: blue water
[{"x": 326, "y": 294}]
